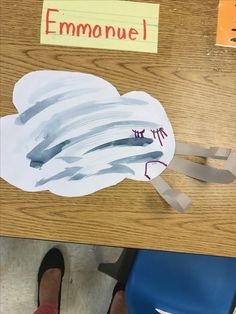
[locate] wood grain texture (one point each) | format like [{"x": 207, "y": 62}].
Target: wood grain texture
[{"x": 196, "y": 83}]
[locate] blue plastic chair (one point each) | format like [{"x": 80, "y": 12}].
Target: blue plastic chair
[{"x": 177, "y": 283}]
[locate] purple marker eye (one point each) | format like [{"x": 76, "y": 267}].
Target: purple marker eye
[
  {"x": 160, "y": 134},
  {"x": 139, "y": 134},
  {"x": 154, "y": 133}
]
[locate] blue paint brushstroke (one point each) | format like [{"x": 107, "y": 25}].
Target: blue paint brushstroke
[
  {"x": 39, "y": 106},
  {"x": 139, "y": 158},
  {"x": 66, "y": 173},
  {"x": 116, "y": 169},
  {"x": 70, "y": 159},
  {"x": 40, "y": 155},
  {"x": 130, "y": 141},
  {"x": 39, "y": 158}
]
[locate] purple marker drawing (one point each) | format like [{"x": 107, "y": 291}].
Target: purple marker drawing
[
  {"x": 139, "y": 134},
  {"x": 150, "y": 162},
  {"x": 159, "y": 133}
]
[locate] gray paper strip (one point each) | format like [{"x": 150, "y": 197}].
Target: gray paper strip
[
  {"x": 174, "y": 198},
  {"x": 230, "y": 163},
  {"x": 196, "y": 150},
  {"x": 203, "y": 172}
]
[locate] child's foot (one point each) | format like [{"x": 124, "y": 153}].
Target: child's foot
[
  {"x": 50, "y": 286},
  {"x": 118, "y": 304}
]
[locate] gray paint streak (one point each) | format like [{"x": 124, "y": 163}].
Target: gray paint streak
[
  {"x": 40, "y": 155},
  {"x": 110, "y": 126},
  {"x": 70, "y": 160},
  {"x": 139, "y": 158},
  {"x": 84, "y": 121},
  {"x": 116, "y": 169},
  {"x": 39, "y": 106},
  {"x": 66, "y": 173},
  {"x": 130, "y": 141},
  {"x": 78, "y": 176},
  {"x": 82, "y": 109}
]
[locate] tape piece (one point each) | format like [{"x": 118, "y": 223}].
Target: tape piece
[
  {"x": 204, "y": 172},
  {"x": 174, "y": 198},
  {"x": 196, "y": 150}
]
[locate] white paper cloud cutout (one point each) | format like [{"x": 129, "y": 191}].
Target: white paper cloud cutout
[{"x": 74, "y": 135}]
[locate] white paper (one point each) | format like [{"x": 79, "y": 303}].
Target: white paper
[{"x": 74, "y": 134}]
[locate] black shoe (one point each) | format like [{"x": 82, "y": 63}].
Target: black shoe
[{"x": 53, "y": 259}]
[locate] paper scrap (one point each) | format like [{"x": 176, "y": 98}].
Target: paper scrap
[
  {"x": 174, "y": 198},
  {"x": 118, "y": 25},
  {"x": 178, "y": 199},
  {"x": 201, "y": 172},
  {"x": 74, "y": 134},
  {"x": 204, "y": 172},
  {"x": 226, "y": 29},
  {"x": 196, "y": 150}
]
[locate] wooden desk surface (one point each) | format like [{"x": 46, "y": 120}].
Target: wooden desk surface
[{"x": 194, "y": 80}]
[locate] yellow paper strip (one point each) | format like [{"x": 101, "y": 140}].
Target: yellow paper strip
[{"x": 118, "y": 25}]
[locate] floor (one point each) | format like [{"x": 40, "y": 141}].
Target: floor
[{"x": 84, "y": 290}]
